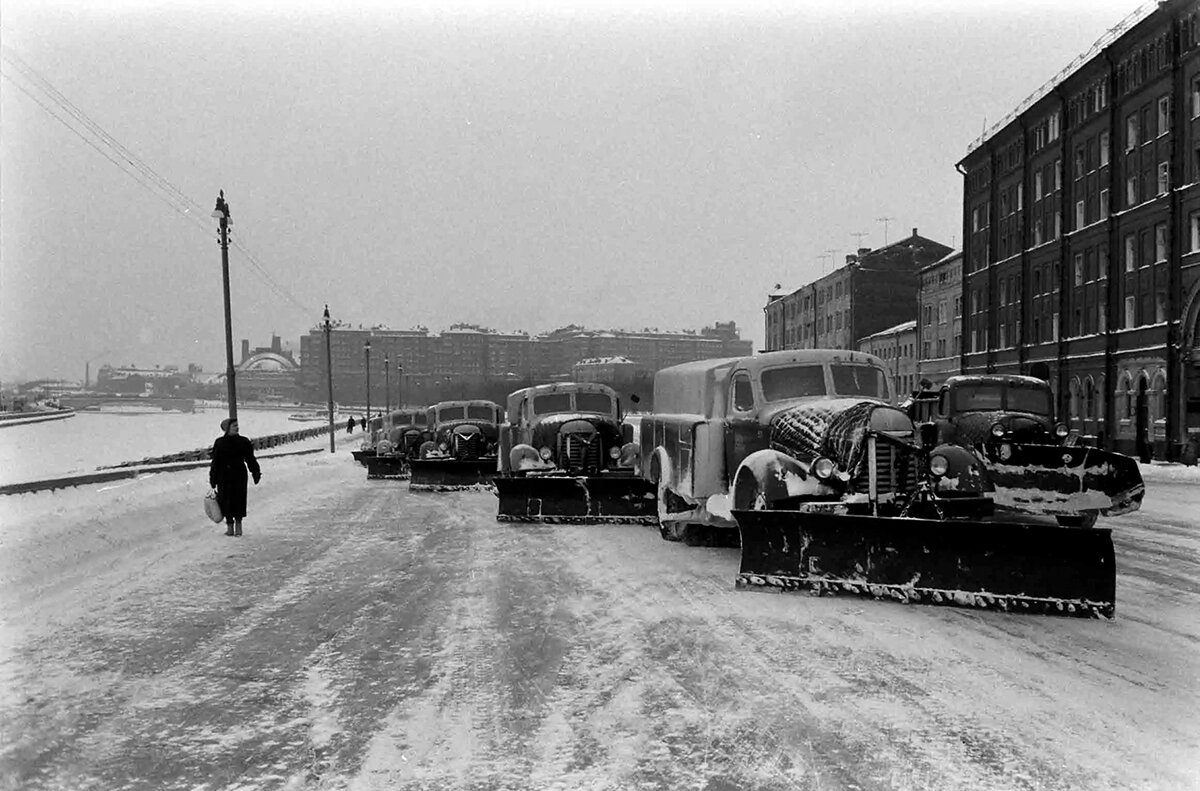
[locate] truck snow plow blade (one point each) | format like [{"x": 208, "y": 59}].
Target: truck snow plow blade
[
  {"x": 1049, "y": 479},
  {"x": 447, "y": 475},
  {"x": 991, "y": 565},
  {"x": 387, "y": 467},
  {"x": 567, "y": 499}
]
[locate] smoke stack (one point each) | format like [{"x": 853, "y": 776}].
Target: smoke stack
[{"x": 245, "y": 350}]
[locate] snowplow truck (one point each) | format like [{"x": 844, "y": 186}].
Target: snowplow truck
[
  {"x": 831, "y": 489},
  {"x": 403, "y": 433},
  {"x": 563, "y": 459},
  {"x": 1034, "y": 465},
  {"x": 461, "y": 454}
]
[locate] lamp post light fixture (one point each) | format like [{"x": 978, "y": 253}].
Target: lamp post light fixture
[
  {"x": 221, "y": 213},
  {"x": 329, "y": 375},
  {"x": 367, "y": 349},
  {"x": 387, "y": 385}
]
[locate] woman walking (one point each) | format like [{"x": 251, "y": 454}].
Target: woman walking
[{"x": 232, "y": 455}]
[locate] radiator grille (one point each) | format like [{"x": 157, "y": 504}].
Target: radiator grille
[
  {"x": 579, "y": 451},
  {"x": 467, "y": 447},
  {"x": 895, "y": 470}
]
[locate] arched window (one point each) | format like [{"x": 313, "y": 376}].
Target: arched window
[
  {"x": 1089, "y": 399},
  {"x": 1073, "y": 409},
  {"x": 1125, "y": 396},
  {"x": 1158, "y": 401},
  {"x": 1101, "y": 415}
]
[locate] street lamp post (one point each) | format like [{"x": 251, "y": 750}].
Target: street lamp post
[
  {"x": 329, "y": 377},
  {"x": 387, "y": 384},
  {"x": 221, "y": 212},
  {"x": 399, "y": 385},
  {"x": 367, "y": 349}
]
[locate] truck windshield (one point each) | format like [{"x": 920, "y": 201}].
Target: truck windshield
[
  {"x": 481, "y": 413},
  {"x": 551, "y": 403},
  {"x": 593, "y": 402},
  {"x": 450, "y": 413},
  {"x": 859, "y": 380},
  {"x": 780, "y": 384},
  {"x": 1001, "y": 396}
]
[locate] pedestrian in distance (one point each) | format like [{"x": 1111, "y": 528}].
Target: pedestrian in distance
[
  {"x": 232, "y": 456},
  {"x": 350, "y": 425}
]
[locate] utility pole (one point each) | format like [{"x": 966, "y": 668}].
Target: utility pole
[
  {"x": 367, "y": 349},
  {"x": 387, "y": 384},
  {"x": 885, "y": 221},
  {"x": 221, "y": 212},
  {"x": 399, "y": 385},
  {"x": 329, "y": 378}
]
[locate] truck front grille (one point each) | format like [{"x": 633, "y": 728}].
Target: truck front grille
[
  {"x": 467, "y": 447},
  {"x": 895, "y": 470},
  {"x": 579, "y": 452}
]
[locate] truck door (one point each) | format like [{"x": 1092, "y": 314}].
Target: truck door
[{"x": 743, "y": 433}]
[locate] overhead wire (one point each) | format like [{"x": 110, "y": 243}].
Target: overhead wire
[{"x": 131, "y": 164}]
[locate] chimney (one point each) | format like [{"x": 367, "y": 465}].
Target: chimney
[
  {"x": 276, "y": 344},
  {"x": 864, "y": 250},
  {"x": 245, "y": 350},
  {"x": 914, "y": 231}
]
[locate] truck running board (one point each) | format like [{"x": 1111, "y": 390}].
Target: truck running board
[
  {"x": 1008, "y": 566},
  {"x": 571, "y": 499}
]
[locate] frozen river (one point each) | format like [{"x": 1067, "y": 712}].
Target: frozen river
[{"x": 95, "y": 439}]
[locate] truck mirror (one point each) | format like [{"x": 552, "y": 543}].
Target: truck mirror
[
  {"x": 633, "y": 398},
  {"x": 929, "y": 435}
]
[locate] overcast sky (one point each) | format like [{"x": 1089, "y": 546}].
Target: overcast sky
[{"x": 522, "y": 166}]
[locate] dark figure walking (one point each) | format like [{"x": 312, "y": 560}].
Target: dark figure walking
[
  {"x": 350, "y": 425},
  {"x": 232, "y": 455}
]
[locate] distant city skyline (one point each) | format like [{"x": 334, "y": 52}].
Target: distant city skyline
[{"x": 520, "y": 166}]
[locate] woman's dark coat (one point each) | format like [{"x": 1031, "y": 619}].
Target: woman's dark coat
[{"x": 231, "y": 455}]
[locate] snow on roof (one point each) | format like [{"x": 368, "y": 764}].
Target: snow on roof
[{"x": 899, "y": 328}]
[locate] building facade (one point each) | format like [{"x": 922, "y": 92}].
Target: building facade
[
  {"x": 874, "y": 290},
  {"x": 939, "y": 319},
  {"x": 1081, "y": 221},
  {"x": 897, "y": 346}
]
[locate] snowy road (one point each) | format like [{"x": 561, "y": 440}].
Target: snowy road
[{"x": 362, "y": 637}]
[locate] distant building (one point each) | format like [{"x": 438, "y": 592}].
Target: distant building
[
  {"x": 939, "y": 319},
  {"x": 267, "y": 373},
  {"x": 898, "y": 348},
  {"x": 873, "y": 290}
]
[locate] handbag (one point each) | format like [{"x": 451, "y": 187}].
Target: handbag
[{"x": 212, "y": 508}]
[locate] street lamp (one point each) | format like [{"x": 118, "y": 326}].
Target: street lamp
[
  {"x": 399, "y": 385},
  {"x": 367, "y": 349},
  {"x": 221, "y": 212},
  {"x": 387, "y": 385},
  {"x": 329, "y": 376}
]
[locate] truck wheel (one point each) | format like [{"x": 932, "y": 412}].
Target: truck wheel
[{"x": 669, "y": 530}]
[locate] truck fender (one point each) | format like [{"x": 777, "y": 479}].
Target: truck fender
[
  {"x": 767, "y": 476},
  {"x": 523, "y": 458},
  {"x": 965, "y": 473}
]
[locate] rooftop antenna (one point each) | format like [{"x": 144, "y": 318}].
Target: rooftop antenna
[
  {"x": 859, "y": 237},
  {"x": 832, "y": 258},
  {"x": 885, "y": 221},
  {"x": 823, "y": 256}
]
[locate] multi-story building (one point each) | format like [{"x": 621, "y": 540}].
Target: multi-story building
[
  {"x": 1081, "y": 215},
  {"x": 874, "y": 290},
  {"x": 939, "y": 319},
  {"x": 471, "y": 360},
  {"x": 897, "y": 346}
]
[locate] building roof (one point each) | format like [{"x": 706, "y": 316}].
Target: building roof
[
  {"x": 953, "y": 254},
  {"x": 904, "y": 326}
]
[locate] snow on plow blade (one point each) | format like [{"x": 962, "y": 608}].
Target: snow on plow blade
[
  {"x": 1049, "y": 479},
  {"x": 446, "y": 475},
  {"x": 992, "y": 565},
  {"x": 576, "y": 499},
  {"x": 389, "y": 467}
]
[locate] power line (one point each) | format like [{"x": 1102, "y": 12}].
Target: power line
[{"x": 131, "y": 164}]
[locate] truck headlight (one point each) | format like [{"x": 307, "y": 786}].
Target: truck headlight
[
  {"x": 545, "y": 452},
  {"x": 938, "y": 465},
  {"x": 997, "y": 430},
  {"x": 442, "y": 446},
  {"x": 614, "y": 452},
  {"x": 1061, "y": 431},
  {"x": 823, "y": 468}
]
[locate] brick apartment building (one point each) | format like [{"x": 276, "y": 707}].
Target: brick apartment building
[
  {"x": 872, "y": 291},
  {"x": 1081, "y": 215}
]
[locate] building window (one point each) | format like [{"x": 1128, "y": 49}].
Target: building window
[
  {"x": 1057, "y": 175},
  {"x": 1077, "y": 269},
  {"x": 1130, "y": 311},
  {"x": 1196, "y": 97},
  {"x": 1131, "y": 132},
  {"x": 1131, "y": 191},
  {"x": 1104, "y": 204},
  {"x": 1164, "y": 177},
  {"x": 925, "y": 349},
  {"x": 1037, "y": 185},
  {"x": 1194, "y": 231},
  {"x": 1020, "y": 196},
  {"x": 1130, "y": 253},
  {"x": 1057, "y": 224},
  {"x": 1079, "y": 162},
  {"x": 1080, "y": 215},
  {"x": 1160, "y": 307},
  {"x": 1164, "y": 115},
  {"x": 1160, "y": 242},
  {"x": 1104, "y": 148},
  {"x": 942, "y": 312},
  {"x": 957, "y": 306}
]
